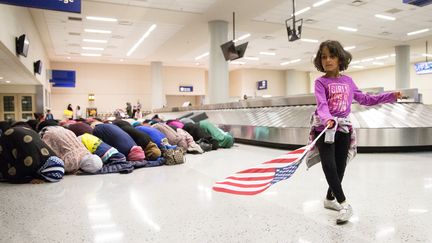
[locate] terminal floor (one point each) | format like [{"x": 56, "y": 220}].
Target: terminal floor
[{"x": 391, "y": 195}]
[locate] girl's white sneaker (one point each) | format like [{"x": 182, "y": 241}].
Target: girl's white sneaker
[{"x": 332, "y": 204}]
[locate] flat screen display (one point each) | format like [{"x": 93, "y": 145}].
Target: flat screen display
[{"x": 262, "y": 84}]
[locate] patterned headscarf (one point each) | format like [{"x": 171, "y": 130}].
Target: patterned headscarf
[{"x": 53, "y": 169}]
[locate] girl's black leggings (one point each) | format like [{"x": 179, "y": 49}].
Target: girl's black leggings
[{"x": 333, "y": 160}]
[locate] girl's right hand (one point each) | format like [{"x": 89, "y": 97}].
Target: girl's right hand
[{"x": 330, "y": 124}]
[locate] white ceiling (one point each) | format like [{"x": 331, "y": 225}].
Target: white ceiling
[{"x": 182, "y": 30}]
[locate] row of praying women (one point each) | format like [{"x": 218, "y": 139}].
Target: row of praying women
[{"x": 48, "y": 150}]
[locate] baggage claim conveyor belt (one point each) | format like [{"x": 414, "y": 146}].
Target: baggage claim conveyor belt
[{"x": 283, "y": 122}]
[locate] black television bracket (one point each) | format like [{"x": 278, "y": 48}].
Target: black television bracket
[{"x": 293, "y": 32}]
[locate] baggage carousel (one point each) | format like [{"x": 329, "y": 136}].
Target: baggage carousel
[{"x": 284, "y": 122}]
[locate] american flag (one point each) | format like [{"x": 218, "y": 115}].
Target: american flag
[{"x": 260, "y": 178}]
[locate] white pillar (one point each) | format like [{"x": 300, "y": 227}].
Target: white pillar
[
  {"x": 218, "y": 67},
  {"x": 402, "y": 67},
  {"x": 158, "y": 95}
]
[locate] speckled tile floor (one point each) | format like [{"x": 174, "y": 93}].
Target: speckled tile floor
[{"x": 391, "y": 195}]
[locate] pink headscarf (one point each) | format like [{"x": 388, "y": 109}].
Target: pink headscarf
[{"x": 136, "y": 154}]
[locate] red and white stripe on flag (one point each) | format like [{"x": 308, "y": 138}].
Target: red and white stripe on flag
[{"x": 257, "y": 179}]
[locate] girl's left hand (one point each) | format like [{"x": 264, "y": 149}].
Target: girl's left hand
[{"x": 397, "y": 95}]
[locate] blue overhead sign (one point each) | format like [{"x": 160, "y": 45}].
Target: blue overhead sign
[
  {"x": 73, "y": 6},
  {"x": 419, "y": 3},
  {"x": 186, "y": 88}
]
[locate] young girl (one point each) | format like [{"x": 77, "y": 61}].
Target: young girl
[{"x": 334, "y": 93}]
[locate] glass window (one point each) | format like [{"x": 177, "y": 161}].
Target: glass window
[
  {"x": 8, "y": 103},
  {"x": 9, "y": 116},
  {"x": 27, "y": 116},
  {"x": 26, "y": 103}
]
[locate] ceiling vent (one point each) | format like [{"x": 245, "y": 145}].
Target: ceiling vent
[
  {"x": 393, "y": 11},
  {"x": 74, "y": 33},
  {"x": 119, "y": 37},
  {"x": 74, "y": 18},
  {"x": 125, "y": 22},
  {"x": 268, "y": 37},
  {"x": 74, "y": 53},
  {"x": 385, "y": 33},
  {"x": 74, "y": 44},
  {"x": 357, "y": 3},
  {"x": 310, "y": 21},
  {"x": 272, "y": 49}
]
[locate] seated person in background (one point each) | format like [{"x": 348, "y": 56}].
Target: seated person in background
[
  {"x": 138, "y": 114},
  {"x": 49, "y": 115},
  {"x": 24, "y": 157},
  {"x": 67, "y": 146}
]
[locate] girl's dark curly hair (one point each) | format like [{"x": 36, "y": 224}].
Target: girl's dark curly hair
[{"x": 335, "y": 49}]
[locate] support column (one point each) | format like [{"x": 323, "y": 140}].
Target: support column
[
  {"x": 297, "y": 82},
  {"x": 158, "y": 95},
  {"x": 402, "y": 67},
  {"x": 218, "y": 67}
]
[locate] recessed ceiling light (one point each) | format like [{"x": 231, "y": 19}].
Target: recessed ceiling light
[
  {"x": 268, "y": 53},
  {"x": 92, "y": 48},
  {"x": 237, "y": 62},
  {"x": 289, "y": 62},
  {"x": 393, "y": 55},
  {"x": 98, "y": 31},
  {"x": 317, "y": 4},
  {"x": 309, "y": 40},
  {"x": 381, "y": 57},
  {"x": 418, "y": 32},
  {"x": 7, "y": 81},
  {"x": 145, "y": 35},
  {"x": 357, "y": 66},
  {"x": 101, "y": 19},
  {"x": 378, "y": 63},
  {"x": 197, "y": 64},
  {"x": 252, "y": 58},
  {"x": 242, "y": 37},
  {"x": 68, "y": 57},
  {"x": 367, "y": 60},
  {"x": 301, "y": 11},
  {"x": 90, "y": 54},
  {"x": 381, "y": 16},
  {"x": 1, "y": 78},
  {"x": 202, "y": 55},
  {"x": 349, "y": 48},
  {"x": 355, "y": 62},
  {"x": 95, "y": 41},
  {"x": 347, "y": 28}
]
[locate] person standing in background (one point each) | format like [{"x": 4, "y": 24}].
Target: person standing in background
[
  {"x": 68, "y": 113},
  {"x": 129, "y": 109},
  {"x": 78, "y": 112}
]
